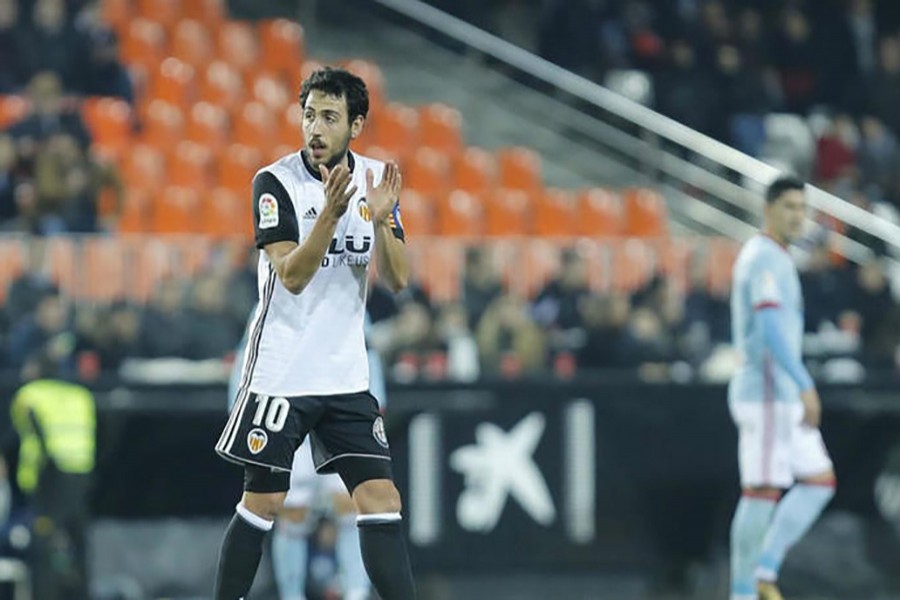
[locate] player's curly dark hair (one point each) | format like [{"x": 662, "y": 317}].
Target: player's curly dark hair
[
  {"x": 785, "y": 183},
  {"x": 339, "y": 83}
]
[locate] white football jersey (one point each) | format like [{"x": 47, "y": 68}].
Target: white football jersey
[{"x": 312, "y": 343}]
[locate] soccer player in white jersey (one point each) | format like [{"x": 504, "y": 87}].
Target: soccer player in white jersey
[
  {"x": 320, "y": 218},
  {"x": 774, "y": 403},
  {"x": 290, "y": 538}
]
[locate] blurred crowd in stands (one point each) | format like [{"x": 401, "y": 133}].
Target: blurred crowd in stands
[{"x": 718, "y": 67}]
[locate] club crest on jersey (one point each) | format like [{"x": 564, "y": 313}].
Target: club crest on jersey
[
  {"x": 364, "y": 211},
  {"x": 378, "y": 432},
  {"x": 257, "y": 440},
  {"x": 268, "y": 211}
]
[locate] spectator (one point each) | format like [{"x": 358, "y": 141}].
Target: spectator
[
  {"x": 29, "y": 216},
  {"x": 165, "y": 325},
  {"x": 26, "y": 290},
  {"x": 13, "y": 44},
  {"x": 48, "y": 116},
  {"x": 825, "y": 289},
  {"x": 604, "y": 319},
  {"x": 114, "y": 335},
  {"x": 453, "y": 330},
  {"x": 481, "y": 283},
  {"x": 53, "y": 44},
  {"x": 509, "y": 342},
  {"x": 411, "y": 339},
  {"x": 836, "y": 151},
  {"x": 686, "y": 92},
  {"x": 556, "y": 307},
  {"x": 880, "y": 315},
  {"x": 646, "y": 345},
  {"x": 105, "y": 75},
  {"x": 884, "y": 96},
  {"x": 212, "y": 330},
  {"x": 47, "y": 326},
  {"x": 8, "y": 158},
  {"x": 878, "y": 154},
  {"x": 796, "y": 57}
]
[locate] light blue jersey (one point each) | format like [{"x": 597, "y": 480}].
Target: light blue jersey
[{"x": 765, "y": 277}]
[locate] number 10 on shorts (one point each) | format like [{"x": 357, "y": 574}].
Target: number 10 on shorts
[{"x": 274, "y": 411}]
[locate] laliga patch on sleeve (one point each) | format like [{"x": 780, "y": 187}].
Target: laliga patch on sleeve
[{"x": 268, "y": 211}]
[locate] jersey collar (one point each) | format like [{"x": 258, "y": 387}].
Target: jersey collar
[
  {"x": 314, "y": 173},
  {"x": 774, "y": 241}
]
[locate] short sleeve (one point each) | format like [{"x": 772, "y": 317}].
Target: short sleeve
[
  {"x": 396, "y": 223},
  {"x": 764, "y": 289},
  {"x": 274, "y": 218}
]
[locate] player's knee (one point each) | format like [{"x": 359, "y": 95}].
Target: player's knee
[
  {"x": 267, "y": 506},
  {"x": 376, "y": 496},
  {"x": 343, "y": 504},
  {"x": 294, "y": 514}
]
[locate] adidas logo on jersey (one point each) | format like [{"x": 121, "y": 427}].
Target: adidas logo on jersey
[{"x": 312, "y": 213}]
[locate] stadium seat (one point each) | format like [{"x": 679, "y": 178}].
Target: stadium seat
[
  {"x": 441, "y": 269},
  {"x": 721, "y": 254},
  {"x": 269, "y": 89},
  {"x": 291, "y": 128},
  {"x": 209, "y": 12},
  {"x": 109, "y": 121},
  {"x": 279, "y": 151},
  {"x": 236, "y": 167},
  {"x": 440, "y": 127},
  {"x": 600, "y": 213},
  {"x": 103, "y": 269},
  {"x": 645, "y": 212},
  {"x": 538, "y": 262},
  {"x": 208, "y": 125},
  {"x": 12, "y": 262},
  {"x": 144, "y": 43},
  {"x": 64, "y": 263},
  {"x": 476, "y": 171},
  {"x": 556, "y": 213},
  {"x": 396, "y": 128},
  {"x": 598, "y": 260},
  {"x": 227, "y": 214},
  {"x": 675, "y": 255},
  {"x": 633, "y": 262},
  {"x": 417, "y": 213},
  {"x": 163, "y": 124},
  {"x": 460, "y": 214},
  {"x": 237, "y": 45},
  {"x": 372, "y": 75},
  {"x": 282, "y": 46},
  {"x": 428, "y": 172},
  {"x": 508, "y": 212},
  {"x": 143, "y": 168},
  {"x": 165, "y": 12},
  {"x": 191, "y": 44},
  {"x": 176, "y": 210},
  {"x": 520, "y": 169},
  {"x": 151, "y": 261},
  {"x": 255, "y": 125},
  {"x": 190, "y": 166},
  {"x": 135, "y": 215},
  {"x": 173, "y": 82},
  {"x": 309, "y": 67},
  {"x": 12, "y": 110},
  {"x": 221, "y": 84},
  {"x": 116, "y": 13}
]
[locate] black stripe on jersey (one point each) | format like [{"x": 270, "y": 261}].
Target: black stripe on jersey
[
  {"x": 314, "y": 171},
  {"x": 227, "y": 438},
  {"x": 279, "y": 227}
]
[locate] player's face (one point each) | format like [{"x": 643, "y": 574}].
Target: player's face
[
  {"x": 786, "y": 215},
  {"x": 327, "y": 130}
]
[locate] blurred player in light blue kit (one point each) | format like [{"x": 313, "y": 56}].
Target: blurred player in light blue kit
[
  {"x": 774, "y": 403},
  {"x": 290, "y": 542}
]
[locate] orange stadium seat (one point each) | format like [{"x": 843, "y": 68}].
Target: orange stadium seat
[
  {"x": 633, "y": 263},
  {"x": 190, "y": 166},
  {"x": 721, "y": 254},
  {"x": 269, "y": 89},
  {"x": 103, "y": 268},
  {"x": 291, "y": 127},
  {"x": 396, "y": 128},
  {"x": 64, "y": 264},
  {"x": 237, "y": 166},
  {"x": 150, "y": 261},
  {"x": 382, "y": 154},
  {"x": 208, "y": 12},
  {"x": 508, "y": 212},
  {"x": 675, "y": 255},
  {"x": 163, "y": 124},
  {"x": 460, "y": 214},
  {"x": 416, "y": 213},
  {"x": 600, "y": 213},
  {"x": 428, "y": 172},
  {"x": 598, "y": 258},
  {"x": 12, "y": 110},
  {"x": 556, "y": 213},
  {"x": 237, "y": 45},
  {"x": 144, "y": 43},
  {"x": 173, "y": 82},
  {"x": 255, "y": 125},
  {"x": 520, "y": 169},
  {"x": 441, "y": 269},
  {"x": 116, "y": 13},
  {"x": 308, "y": 67},
  {"x": 282, "y": 45},
  {"x": 279, "y": 151},
  {"x": 191, "y": 43},
  {"x": 176, "y": 210},
  {"x": 227, "y": 214},
  {"x": 208, "y": 125},
  {"x": 645, "y": 212},
  {"x": 440, "y": 127},
  {"x": 165, "y": 12},
  {"x": 12, "y": 262},
  {"x": 143, "y": 168},
  {"x": 221, "y": 84},
  {"x": 135, "y": 216},
  {"x": 109, "y": 121},
  {"x": 476, "y": 171},
  {"x": 538, "y": 263}
]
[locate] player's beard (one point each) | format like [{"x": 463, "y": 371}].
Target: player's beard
[{"x": 338, "y": 156}]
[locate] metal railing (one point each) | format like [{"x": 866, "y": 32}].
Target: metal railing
[{"x": 717, "y": 183}]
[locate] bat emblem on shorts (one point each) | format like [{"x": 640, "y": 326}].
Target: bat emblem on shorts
[{"x": 257, "y": 440}]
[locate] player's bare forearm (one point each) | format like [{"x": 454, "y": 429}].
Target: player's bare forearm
[
  {"x": 390, "y": 252},
  {"x": 295, "y": 263}
]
